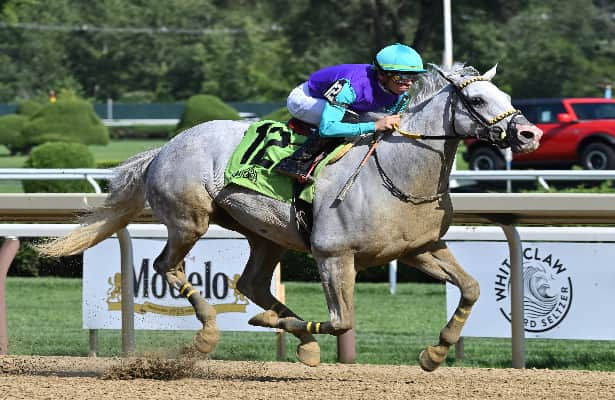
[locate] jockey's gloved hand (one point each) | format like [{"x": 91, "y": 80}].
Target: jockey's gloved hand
[{"x": 387, "y": 123}]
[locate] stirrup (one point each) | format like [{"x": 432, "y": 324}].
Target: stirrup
[{"x": 301, "y": 178}]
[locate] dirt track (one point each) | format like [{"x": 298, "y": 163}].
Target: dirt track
[{"x": 103, "y": 378}]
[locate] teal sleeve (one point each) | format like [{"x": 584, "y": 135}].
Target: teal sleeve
[
  {"x": 331, "y": 124},
  {"x": 400, "y": 105}
]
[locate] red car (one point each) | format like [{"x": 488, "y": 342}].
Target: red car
[{"x": 577, "y": 131}]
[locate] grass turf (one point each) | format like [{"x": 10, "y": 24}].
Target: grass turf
[{"x": 44, "y": 317}]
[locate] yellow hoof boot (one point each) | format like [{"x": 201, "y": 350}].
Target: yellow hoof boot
[{"x": 426, "y": 362}]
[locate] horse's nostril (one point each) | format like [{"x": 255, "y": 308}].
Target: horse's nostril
[{"x": 527, "y": 134}]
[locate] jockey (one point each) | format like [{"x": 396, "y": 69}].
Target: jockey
[{"x": 334, "y": 97}]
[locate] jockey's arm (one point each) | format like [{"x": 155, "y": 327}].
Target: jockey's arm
[{"x": 339, "y": 96}]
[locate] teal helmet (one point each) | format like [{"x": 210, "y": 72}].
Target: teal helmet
[{"x": 399, "y": 58}]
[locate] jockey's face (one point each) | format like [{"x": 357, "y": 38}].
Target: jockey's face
[{"x": 397, "y": 83}]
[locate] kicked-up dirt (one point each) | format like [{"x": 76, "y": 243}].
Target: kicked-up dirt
[{"x": 188, "y": 378}]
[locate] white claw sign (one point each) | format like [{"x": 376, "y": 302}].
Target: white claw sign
[{"x": 567, "y": 289}]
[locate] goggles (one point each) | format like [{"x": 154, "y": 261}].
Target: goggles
[{"x": 403, "y": 77}]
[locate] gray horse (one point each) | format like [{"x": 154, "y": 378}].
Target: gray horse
[{"x": 399, "y": 208}]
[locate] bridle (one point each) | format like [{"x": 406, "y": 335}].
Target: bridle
[{"x": 495, "y": 133}]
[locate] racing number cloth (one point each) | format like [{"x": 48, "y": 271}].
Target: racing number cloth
[{"x": 264, "y": 144}]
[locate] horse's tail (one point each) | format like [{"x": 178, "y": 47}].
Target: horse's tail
[{"x": 126, "y": 200}]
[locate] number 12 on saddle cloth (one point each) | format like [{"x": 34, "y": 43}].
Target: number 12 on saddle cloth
[{"x": 264, "y": 144}]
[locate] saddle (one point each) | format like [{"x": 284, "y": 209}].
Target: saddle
[
  {"x": 301, "y": 127},
  {"x": 264, "y": 145}
]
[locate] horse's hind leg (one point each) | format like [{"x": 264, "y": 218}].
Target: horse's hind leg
[
  {"x": 182, "y": 237},
  {"x": 255, "y": 282},
  {"x": 441, "y": 264}
]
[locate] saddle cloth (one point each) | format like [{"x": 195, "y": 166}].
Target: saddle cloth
[{"x": 264, "y": 144}]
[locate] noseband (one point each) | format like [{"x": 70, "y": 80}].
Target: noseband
[{"x": 495, "y": 133}]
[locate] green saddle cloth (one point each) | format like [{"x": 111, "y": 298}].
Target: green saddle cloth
[{"x": 264, "y": 144}]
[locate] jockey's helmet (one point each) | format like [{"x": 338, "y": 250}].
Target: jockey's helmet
[{"x": 399, "y": 58}]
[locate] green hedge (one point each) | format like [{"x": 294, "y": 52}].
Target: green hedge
[
  {"x": 29, "y": 108},
  {"x": 142, "y": 132},
  {"x": 202, "y": 108},
  {"x": 11, "y": 126},
  {"x": 59, "y": 155},
  {"x": 28, "y": 262},
  {"x": 67, "y": 121}
]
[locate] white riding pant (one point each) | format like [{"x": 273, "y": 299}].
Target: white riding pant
[{"x": 303, "y": 106}]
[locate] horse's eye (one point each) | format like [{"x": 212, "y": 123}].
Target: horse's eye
[{"x": 477, "y": 101}]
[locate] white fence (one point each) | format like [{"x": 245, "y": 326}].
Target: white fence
[{"x": 542, "y": 177}]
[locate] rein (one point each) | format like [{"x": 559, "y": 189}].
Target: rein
[
  {"x": 397, "y": 192},
  {"x": 486, "y": 124}
]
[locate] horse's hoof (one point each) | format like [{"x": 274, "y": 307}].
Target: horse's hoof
[
  {"x": 309, "y": 353},
  {"x": 267, "y": 319},
  {"x": 206, "y": 339},
  {"x": 426, "y": 363}
]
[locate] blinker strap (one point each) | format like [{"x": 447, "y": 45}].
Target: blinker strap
[{"x": 471, "y": 109}]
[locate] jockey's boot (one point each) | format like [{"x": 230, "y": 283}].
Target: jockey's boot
[{"x": 298, "y": 165}]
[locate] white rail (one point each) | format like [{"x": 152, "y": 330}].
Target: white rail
[
  {"x": 88, "y": 174},
  {"x": 540, "y": 176}
]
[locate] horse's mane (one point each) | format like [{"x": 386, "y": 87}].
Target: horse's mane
[{"x": 432, "y": 81}]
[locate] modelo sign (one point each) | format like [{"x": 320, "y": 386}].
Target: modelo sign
[
  {"x": 567, "y": 289},
  {"x": 213, "y": 267}
]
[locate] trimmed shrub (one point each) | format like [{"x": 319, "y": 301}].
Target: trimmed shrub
[
  {"x": 281, "y": 114},
  {"x": 142, "y": 132},
  {"x": 202, "y": 108},
  {"x": 66, "y": 121},
  {"x": 27, "y": 261},
  {"x": 59, "y": 155},
  {"x": 10, "y": 132},
  {"x": 29, "y": 107},
  {"x": 107, "y": 164}
]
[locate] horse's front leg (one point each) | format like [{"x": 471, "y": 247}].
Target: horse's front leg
[
  {"x": 338, "y": 278},
  {"x": 441, "y": 264}
]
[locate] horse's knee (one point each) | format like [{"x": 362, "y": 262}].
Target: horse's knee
[{"x": 470, "y": 291}]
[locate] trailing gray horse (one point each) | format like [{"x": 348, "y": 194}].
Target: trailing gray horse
[{"x": 399, "y": 208}]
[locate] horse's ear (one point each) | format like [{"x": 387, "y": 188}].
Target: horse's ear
[{"x": 491, "y": 73}]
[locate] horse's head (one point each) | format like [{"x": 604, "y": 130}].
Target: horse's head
[{"x": 481, "y": 110}]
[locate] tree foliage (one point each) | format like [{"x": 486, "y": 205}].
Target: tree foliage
[{"x": 257, "y": 51}]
